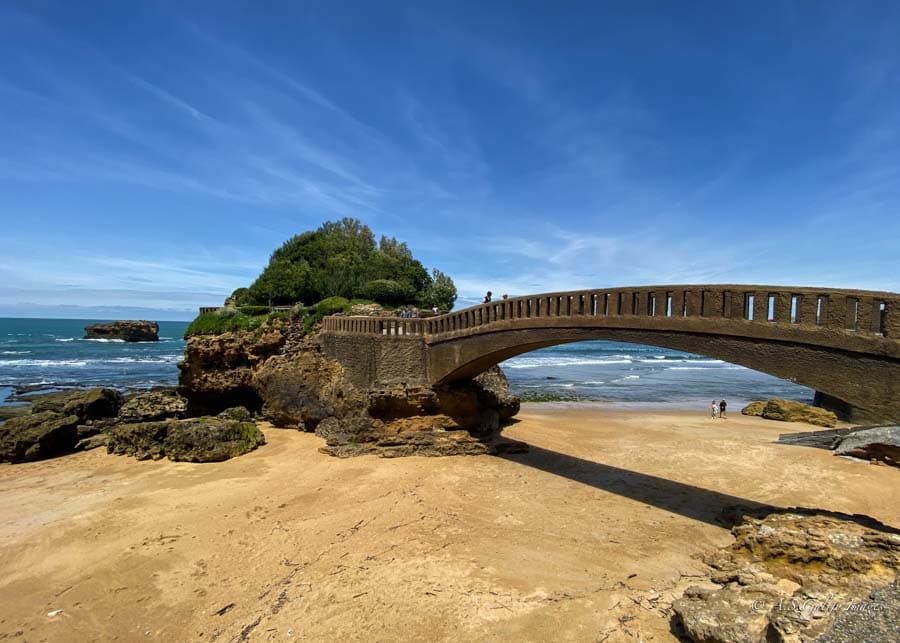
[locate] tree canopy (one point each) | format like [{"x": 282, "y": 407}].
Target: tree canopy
[{"x": 342, "y": 259}]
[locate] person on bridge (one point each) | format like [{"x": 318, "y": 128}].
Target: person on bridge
[
  {"x": 722, "y": 405},
  {"x": 714, "y": 409},
  {"x": 487, "y": 298}
]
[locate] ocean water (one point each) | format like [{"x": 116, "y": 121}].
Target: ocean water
[
  {"x": 636, "y": 376},
  {"x": 51, "y": 354}
]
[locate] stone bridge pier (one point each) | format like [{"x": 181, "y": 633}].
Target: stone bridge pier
[{"x": 845, "y": 344}]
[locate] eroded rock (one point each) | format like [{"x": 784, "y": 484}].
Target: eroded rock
[
  {"x": 128, "y": 330},
  {"x": 786, "y": 574},
  {"x": 151, "y": 406},
  {"x": 791, "y": 411},
  {"x": 87, "y": 404},
  {"x": 202, "y": 439},
  {"x": 881, "y": 443},
  {"x": 37, "y": 436}
]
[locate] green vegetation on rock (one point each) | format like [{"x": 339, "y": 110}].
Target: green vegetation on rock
[{"x": 342, "y": 259}]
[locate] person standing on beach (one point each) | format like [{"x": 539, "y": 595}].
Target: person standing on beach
[
  {"x": 487, "y": 298},
  {"x": 714, "y": 409},
  {"x": 722, "y": 405}
]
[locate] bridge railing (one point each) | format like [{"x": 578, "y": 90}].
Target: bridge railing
[
  {"x": 394, "y": 326},
  {"x": 859, "y": 311}
]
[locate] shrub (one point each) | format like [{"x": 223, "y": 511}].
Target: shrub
[
  {"x": 221, "y": 322},
  {"x": 254, "y": 310}
]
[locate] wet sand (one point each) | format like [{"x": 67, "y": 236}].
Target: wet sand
[{"x": 587, "y": 537}]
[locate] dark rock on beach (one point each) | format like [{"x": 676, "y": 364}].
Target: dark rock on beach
[
  {"x": 203, "y": 439},
  {"x": 880, "y": 443},
  {"x": 37, "y": 436},
  {"x": 127, "y": 330},
  {"x": 87, "y": 405}
]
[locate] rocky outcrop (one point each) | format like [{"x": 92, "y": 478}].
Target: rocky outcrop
[
  {"x": 7, "y": 412},
  {"x": 87, "y": 405},
  {"x": 153, "y": 405},
  {"x": 788, "y": 575},
  {"x": 125, "y": 330},
  {"x": 37, "y": 436},
  {"x": 301, "y": 389},
  {"x": 285, "y": 376},
  {"x": 879, "y": 443},
  {"x": 791, "y": 411},
  {"x": 203, "y": 439},
  {"x": 218, "y": 370}
]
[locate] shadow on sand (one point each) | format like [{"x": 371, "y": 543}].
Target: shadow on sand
[{"x": 705, "y": 505}]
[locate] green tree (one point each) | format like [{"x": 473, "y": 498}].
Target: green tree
[
  {"x": 341, "y": 259},
  {"x": 441, "y": 292}
]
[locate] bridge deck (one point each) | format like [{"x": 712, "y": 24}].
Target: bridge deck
[{"x": 860, "y": 312}]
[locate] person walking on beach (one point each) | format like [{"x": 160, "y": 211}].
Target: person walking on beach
[
  {"x": 722, "y": 405},
  {"x": 487, "y": 298},
  {"x": 714, "y": 409}
]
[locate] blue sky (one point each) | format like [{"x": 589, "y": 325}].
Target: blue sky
[{"x": 153, "y": 154}]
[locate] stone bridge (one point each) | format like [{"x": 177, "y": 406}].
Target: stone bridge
[{"x": 845, "y": 344}]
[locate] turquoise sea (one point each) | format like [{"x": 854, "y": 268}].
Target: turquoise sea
[{"x": 50, "y": 354}]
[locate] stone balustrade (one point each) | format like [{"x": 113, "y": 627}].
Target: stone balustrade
[{"x": 859, "y": 311}]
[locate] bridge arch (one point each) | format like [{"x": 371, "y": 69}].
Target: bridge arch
[{"x": 843, "y": 343}]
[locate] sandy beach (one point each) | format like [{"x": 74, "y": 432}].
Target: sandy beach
[{"x": 587, "y": 537}]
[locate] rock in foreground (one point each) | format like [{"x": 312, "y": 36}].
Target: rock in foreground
[
  {"x": 126, "y": 330},
  {"x": 37, "y": 436},
  {"x": 876, "y": 443},
  {"x": 788, "y": 575},
  {"x": 790, "y": 411},
  {"x": 203, "y": 439}
]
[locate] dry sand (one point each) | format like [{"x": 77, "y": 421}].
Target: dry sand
[{"x": 588, "y": 537}]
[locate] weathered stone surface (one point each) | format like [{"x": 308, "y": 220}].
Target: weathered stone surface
[
  {"x": 790, "y": 411},
  {"x": 92, "y": 442},
  {"x": 37, "y": 436},
  {"x": 128, "y": 330},
  {"x": 297, "y": 386},
  {"x": 827, "y": 439},
  {"x": 203, "y": 439},
  {"x": 152, "y": 405},
  {"x": 217, "y": 371},
  {"x": 302, "y": 389},
  {"x": 786, "y": 574},
  {"x": 877, "y": 443},
  {"x": 239, "y": 413},
  {"x": 88, "y": 404},
  {"x": 754, "y": 408},
  {"x": 7, "y": 412},
  {"x": 495, "y": 387}
]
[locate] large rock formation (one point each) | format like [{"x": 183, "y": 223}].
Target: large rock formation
[
  {"x": 217, "y": 370},
  {"x": 37, "y": 436},
  {"x": 202, "y": 439},
  {"x": 790, "y": 411},
  {"x": 126, "y": 330},
  {"x": 788, "y": 575},
  {"x": 284, "y": 374}
]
